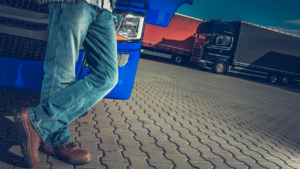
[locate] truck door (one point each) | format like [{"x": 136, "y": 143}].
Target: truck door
[{"x": 220, "y": 47}]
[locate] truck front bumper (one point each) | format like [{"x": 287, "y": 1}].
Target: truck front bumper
[
  {"x": 29, "y": 74},
  {"x": 204, "y": 64}
]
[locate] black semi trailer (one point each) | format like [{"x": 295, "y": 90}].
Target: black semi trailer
[{"x": 247, "y": 49}]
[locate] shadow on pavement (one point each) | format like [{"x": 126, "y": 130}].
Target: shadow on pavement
[
  {"x": 295, "y": 87},
  {"x": 10, "y": 151}
]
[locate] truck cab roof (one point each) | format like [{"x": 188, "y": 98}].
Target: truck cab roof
[{"x": 215, "y": 26}]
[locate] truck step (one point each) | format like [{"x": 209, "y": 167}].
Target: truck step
[
  {"x": 249, "y": 70},
  {"x": 194, "y": 60},
  {"x": 197, "y": 50},
  {"x": 248, "y": 74}
]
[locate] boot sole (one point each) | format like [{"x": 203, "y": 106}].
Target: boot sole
[
  {"x": 22, "y": 136},
  {"x": 61, "y": 158},
  {"x": 70, "y": 162}
]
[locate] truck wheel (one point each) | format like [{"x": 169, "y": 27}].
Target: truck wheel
[
  {"x": 178, "y": 59},
  {"x": 273, "y": 78},
  {"x": 284, "y": 80},
  {"x": 219, "y": 67}
]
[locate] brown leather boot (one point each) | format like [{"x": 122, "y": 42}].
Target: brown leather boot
[
  {"x": 69, "y": 153},
  {"x": 28, "y": 138}
]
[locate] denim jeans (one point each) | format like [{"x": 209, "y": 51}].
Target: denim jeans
[{"x": 62, "y": 99}]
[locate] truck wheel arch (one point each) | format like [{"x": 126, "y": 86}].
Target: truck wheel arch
[
  {"x": 284, "y": 80},
  {"x": 273, "y": 77},
  {"x": 178, "y": 59},
  {"x": 225, "y": 71}
]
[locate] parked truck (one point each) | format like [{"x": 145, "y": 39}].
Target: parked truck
[
  {"x": 24, "y": 33},
  {"x": 247, "y": 49},
  {"x": 174, "y": 42}
]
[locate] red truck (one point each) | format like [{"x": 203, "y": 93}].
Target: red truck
[{"x": 174, "y": 41}]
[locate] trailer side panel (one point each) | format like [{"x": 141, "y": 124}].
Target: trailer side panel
[
  {"x": 178, "y": 34},
  {"x": 268, "y": 48}
]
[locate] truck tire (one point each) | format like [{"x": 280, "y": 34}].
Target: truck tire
[
  {"x": 178, "y": 59},
  {"x": 219, "y": 67},
  {"x": 284, "y": 80},
  {"x": 272, "y": 78}
]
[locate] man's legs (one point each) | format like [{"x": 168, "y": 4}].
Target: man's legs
[
  {"x": 100, "y": 53},
  {"x": 67, "y": 32},
  {"x": 62, "y": 100},
  {"x": 66, "y": 104}
]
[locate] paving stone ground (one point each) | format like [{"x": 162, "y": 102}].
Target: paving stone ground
[{"x": 177, "y": 117}]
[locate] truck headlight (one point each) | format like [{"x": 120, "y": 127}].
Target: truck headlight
[
  {"x": 129, "y": 25},
  {"x": 123, "y": 59}
]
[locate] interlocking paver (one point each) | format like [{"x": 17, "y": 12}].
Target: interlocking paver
[
  {"x": 4, "y": 129},
  {"x": 131, "y": 148},
  {"x": 180, "y": 161},
  {"x": 138, "y": 161},
  {"x": 121, "y": 128},
  {"x": 240, "y": 166},
  {"x": 107, "y": 140},
  {"x": 58, "y": 164},
  {"x": 13, "y": 134},
  {"x": 156, "y": 155},
  {"x": 87, "y": 132},
  {"x": 42, "y": 163},
  {"x": 10, "y": 148},
  {"x": 128, "y": 137},
  {"x": 281, "y": 163},
  {"x": 8, "y": 162},
  {"x": 250, "y": 162},
  {"x": 217, "y": 161},
  {"x": 140, "y": 133},
  {"x": 115, "y": 164},
  {"x": 90, "y": 145},
  {"x": 149, "y": 144},
  {"x": 159, "y": 165},
  {"x": 112, "y": 154}
]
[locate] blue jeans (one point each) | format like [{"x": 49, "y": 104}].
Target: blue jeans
[{"x": 62, "y": 99}]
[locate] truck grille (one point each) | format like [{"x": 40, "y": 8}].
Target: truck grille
[
  {"x": 196, "y": 52},
  {"x": 22, "y": 48},
  {"x": 30, "y": 5},
  {"x": 23, "y": 24}
]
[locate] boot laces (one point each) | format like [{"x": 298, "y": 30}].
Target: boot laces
[{"x": 71, "y": 145}]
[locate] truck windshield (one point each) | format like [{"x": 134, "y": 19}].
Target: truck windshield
[{"x": 203, "y": 38}]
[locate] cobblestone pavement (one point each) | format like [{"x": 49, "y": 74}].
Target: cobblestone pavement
[{"x": 176, "y": 118}]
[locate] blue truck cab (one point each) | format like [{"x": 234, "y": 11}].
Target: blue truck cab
[{"x": 24, "y": 33}]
